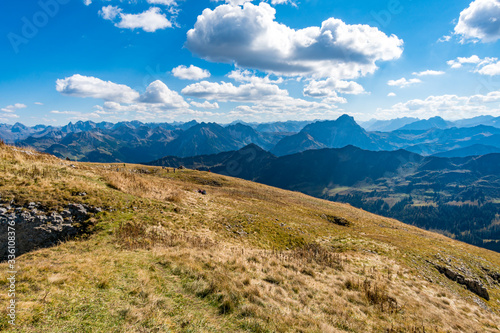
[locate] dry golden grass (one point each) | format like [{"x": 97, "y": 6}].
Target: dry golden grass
[
  {"x": 243, "y": 258},
  {"x": 142, "y": 185}
]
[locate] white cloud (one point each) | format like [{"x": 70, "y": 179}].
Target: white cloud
[
  {"x": 295, "y": 109},
  {"x": 457, "y": 63},
  {"x": 205, "y": 105},
  {"x": 242, "y": 2},
  {"x": 87, "y": 2},
  {"x": 487, "y": 66},
  {"x": 240, "y": 75},
  {"x": 157, "y": 100},
  {"x": 76, "y": 115},
  {"x": 428, "y": 72},
  {"x": 10, "y": 112},
  {"x": 444, "y": 39},
  {"x": 88, "y": 86},
  {"x": 250, "y": 37},
  {"x": 330, "y": 87},
  {"x": 13, "y": 108},
  {"x": 149, "y": 21},
  {"x": 266, "y": 99},
  {"x": 65, "y": 112},
  {"x": 163, "y": 2},
  {"x": 190, "y": 73},
  {"x": 158, "y": 93},
  {"x": 403, "y": 82},
  {"x": 391, "y": 94},
  {"x": 490, "y": 69},
  {"x": 446, "y": 106},
  {"x": 151, "y": 112},
  {"x": 480, "y": 21},
  {"x": 226, "y": 91},
  {"x": 38, "y": 103},
  {"x": 7, "y": 116},
  {"x": 109, "y": 12},
  {"x": 333, "y": 99},
  {"x": 234, "y": 2}
]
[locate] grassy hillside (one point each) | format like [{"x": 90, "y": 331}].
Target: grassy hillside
[{"x": 244, "y": 257}]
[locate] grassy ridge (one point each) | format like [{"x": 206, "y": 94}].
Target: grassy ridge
[{"x": 243, "y": 258}]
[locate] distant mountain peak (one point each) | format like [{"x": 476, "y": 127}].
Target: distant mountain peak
[
  {"x": 345, "y": 118},
  {"x": 427, "y": 124},
  {"x": 252, "y": 146}
]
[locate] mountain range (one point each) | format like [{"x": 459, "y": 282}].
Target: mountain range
[
  {"x": 137, "y": 142},
  {"x": 345, "y": 131},
  {"x": 409, "y": 123},
  {"x": 456, "y": 196}
]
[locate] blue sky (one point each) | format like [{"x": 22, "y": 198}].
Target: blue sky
[{"x": 166, "y": 60}]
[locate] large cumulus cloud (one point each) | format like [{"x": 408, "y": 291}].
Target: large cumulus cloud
[
  {"x": 480, "y": 21},
  {"x": 249, "y": 36}
]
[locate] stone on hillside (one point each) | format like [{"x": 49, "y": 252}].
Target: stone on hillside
[{"x": 472, "y": 285}]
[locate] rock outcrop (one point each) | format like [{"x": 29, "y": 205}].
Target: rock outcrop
[
  {"x": 473, "y": 285},
  {"x": 36, "y": 227},
  {"x": 336, "y": 220}
]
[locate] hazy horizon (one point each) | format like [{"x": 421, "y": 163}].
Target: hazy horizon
[{"x": 361, "y": 122}]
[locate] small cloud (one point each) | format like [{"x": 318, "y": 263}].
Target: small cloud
[
  {"x": 109, "y": 12},
  {"x": 429, "y": 72},
  {"x": 391, "y": 94},
  {"x": 457, "y": 63},
  {"x": 158, "y": 93},
  {"x": 487, "y": 66},
  {"x": 88, "y": 86},
  {"x": 163, "y": 2},
  {"x": 490, "y": 69},
  {"x": 239, "y": 75},
  {"x": 330, "y": 87},
  {"x": 13, "y": 108},
  {"x": 242, "y": 2},
  {"x": 190, "y": 73},
  {"x": 7, "y": 116},
  {"x": 444, "y": 39},
  {"x": 150, "y": 20},
  {"x": 283, "y": 2},
  {"x": 65, "y": 112},
  {"x": 87, "y": 2},
  {"x": 403, "y": 83},
  {"x": 235, "y": 2},
  {"x": 38, "y": 103},
  {"x": 205, "y": 105}
]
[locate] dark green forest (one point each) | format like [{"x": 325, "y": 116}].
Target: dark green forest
[{"x": 477, "y": 224}]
